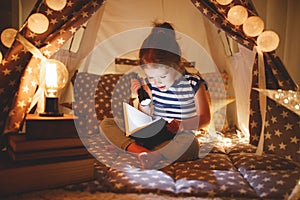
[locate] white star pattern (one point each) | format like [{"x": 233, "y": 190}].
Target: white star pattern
[{"x": 190, "y": 176}]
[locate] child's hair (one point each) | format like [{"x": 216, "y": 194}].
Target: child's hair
[{"x": 161, "y": 47}]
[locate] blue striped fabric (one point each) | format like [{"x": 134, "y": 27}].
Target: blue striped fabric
[{"x": 178, "y": 101}]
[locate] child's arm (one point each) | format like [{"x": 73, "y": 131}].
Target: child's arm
[
  {"x": 135, "y": 86},
  {"x": 203, "y": 117}
]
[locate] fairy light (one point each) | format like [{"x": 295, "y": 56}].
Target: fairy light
[{"x": 38, "y": 23}]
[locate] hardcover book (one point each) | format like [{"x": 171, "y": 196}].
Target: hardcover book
[
  {"x": 35, "y": 155},
  {"x": 25, "y": 176},
  {"x": 19, "y": 143},
  {"x": 38, "y": 127},
  {"x": 143, "y": 129}
]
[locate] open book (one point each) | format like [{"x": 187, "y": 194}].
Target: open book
[{"x": 143, "y": 129}]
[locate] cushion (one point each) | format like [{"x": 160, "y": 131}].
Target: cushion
[
  {"x": 211, "y": 161},
  {"x": 274, "y": 184},
  {"x": 241, "y": 148},
  {"x": 85, "y": 86},
  {"x": 136, "y": 180},
  {"x": 120, "y": 94},
  {"x": 108, "y": 82},
  {"x": 251, "y": 161},
  {"x": 218, "y": 89},
  {"x": 212, "y": 183}
]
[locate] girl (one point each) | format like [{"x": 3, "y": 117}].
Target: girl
[{"x": 178, "y": 97}]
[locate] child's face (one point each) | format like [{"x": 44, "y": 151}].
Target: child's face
[{"x": 161, "y": 77}]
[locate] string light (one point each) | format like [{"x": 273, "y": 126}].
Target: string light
[
  {"x": 267, "y": 41},
  {"x": 38, "y": 23},
  {"x": 56, "y": 4},
  {"x": 288, "y": 98},
  {"x": 237, "y": 15},
  {"x": 224, "y": 2},
  {"x": 253, "y": 26},
  {"x": 8, "y": 36}
]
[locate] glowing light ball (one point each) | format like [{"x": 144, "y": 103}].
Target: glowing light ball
[
  {"x": 268, "y": 41},
  {"x": 38, "y": 23},
  {"x": 8, "y": 36},
  {"x": 253, "y": 26},
  {"x": 224, "y": 2},
  {"x": 56, "y": 4},
  {"x": 237, "y": 15}
]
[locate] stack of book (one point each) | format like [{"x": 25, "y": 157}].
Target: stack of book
[
  {"x": 49, "y": 154},
  {"x": 46, "y": 137}
]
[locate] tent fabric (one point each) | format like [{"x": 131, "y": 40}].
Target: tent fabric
[
  {"x": 20, "y": 83},
  {"x": 216, "y": 13},
  {"x": 276, "y": 78},
  {"x": 281, "y": 133},
  {"x": 16, "y": 101}
]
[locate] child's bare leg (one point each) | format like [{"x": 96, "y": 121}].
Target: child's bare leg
[{"x": 149, "y": 159}]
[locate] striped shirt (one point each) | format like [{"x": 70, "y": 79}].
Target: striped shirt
[{"x": 178, "y": 101}]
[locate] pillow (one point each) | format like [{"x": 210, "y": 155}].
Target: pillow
[
  {"x": 121, "y": 93},
  {"x": 92, "y": 103},
  {"x": 218, "y": 88},
  {"x": 85, "y": 86},
  {"x": 108, "y": 83}
]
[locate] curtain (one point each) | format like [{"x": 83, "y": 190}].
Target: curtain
[
  {"x": 19, "y": 68},
  {"x": 274, "y": 75}
]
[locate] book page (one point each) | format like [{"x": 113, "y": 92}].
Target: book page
[{"x": 134, "y": 119}]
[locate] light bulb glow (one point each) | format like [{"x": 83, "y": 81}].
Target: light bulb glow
[
  {"x": 8, "y": 37},
  {"x": 287, "y": 98},
  {"x": 224, "y": 2},
  {"x": 237, "y": 15},
  {"x": 55, "y": 75},
  {"x": 38, "y": 23},
  {"x": 56, "y": 4},
  {"x": 51, "y": 79},
  {"x": 267, "y": 41},
  {"x": 253, "y": 26}
]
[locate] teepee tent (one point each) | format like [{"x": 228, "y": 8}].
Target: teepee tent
[{"x": 117, "y": 29}]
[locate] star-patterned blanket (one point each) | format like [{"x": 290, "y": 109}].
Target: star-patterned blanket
[{"x": 227, "y": 170}]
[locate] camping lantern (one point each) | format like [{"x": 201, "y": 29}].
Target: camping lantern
[
  {"x": 237, "y": 15},
  {"x": 56, "y": 5},
  {"x": 267, "y": 41},
  {"x": 253, "y": 26},
  {"x": 38, "y": 23},
  {"x": 53, "y": 76}
]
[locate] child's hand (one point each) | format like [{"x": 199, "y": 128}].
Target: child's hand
[
  {"x": 173, "y": 126},
  {"x": 135, "y": 85}
]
